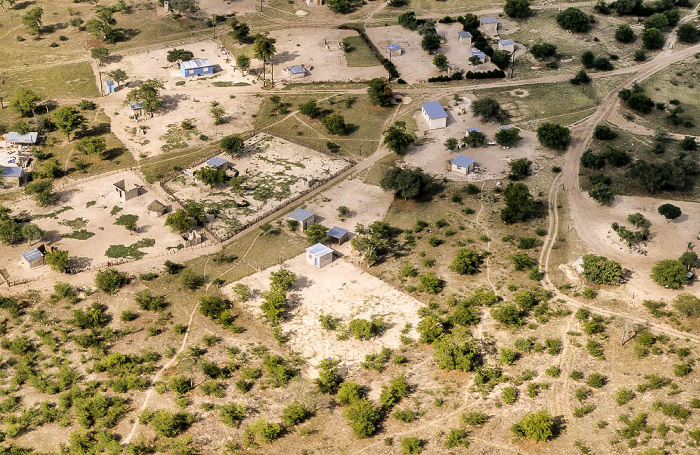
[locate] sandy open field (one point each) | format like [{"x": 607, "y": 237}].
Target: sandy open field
[
  {"x": 317, "y": 49},
  {"x": 414, "y": 64},
  {"x": 343, "y": 291},
  {"x": 189, "y": 101},
  {"x": 95, "y": 218},
  {"x": 274, "y": 171},
  {"x": 491, "y": 161}
]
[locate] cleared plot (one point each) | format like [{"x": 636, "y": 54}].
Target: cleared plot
[
  {"x": 358, "y": 53},
  {"x": 342, "y": 291},
  {"x": 70, "y": 81},
  {"x": 272, "y": 171}
]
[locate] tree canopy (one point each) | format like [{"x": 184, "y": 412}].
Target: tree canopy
[
  {"x": 379, "y": 92},
  {"x": 554, "y": 136},
  {"x": 537, "y": 426},
  {"x": 670, "y": 273},
  {"x": 397, "y": 139},
  {"x": 670, "y": 211},
  {"x": 25, "y": 102},
  {"x": 517, "y": 9},
  {"x": 488, "y": 108},
  {"x": 518, "y": 203},
  {"x": 407, "y": 182},
  {"x": 69, "y": 119},
  {"x": 148, "y": 94},
  {"x": 573, "y": 19},
  {"x": 601, "y": 270},
  {"x": 457, "y": 350}
]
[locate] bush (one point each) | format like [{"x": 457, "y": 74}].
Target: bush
[
  {"x": 624, "y": 33},
  {"x": 294, "y": 414},
  {"x": 430, "y": 284},
  {"x": 543, "y": 50},
  {"x": 573, "y": 19},
  {"x": 349, "y": 392},
  {"x": 169, "y": 425},
  {"x": 264, "y": 431},
  {"x": 232, "y": 414},
  {"x": 537, "y": 426},
  {"x": 363, "y": 329},
  {"x": 601, "y": 270},
  {"x": 670, "y": 273},
  {"x": 411, "y": 445},
  {"x": 110, "y": 281},
  {"x": 596, "y": 380},
  {"x": 581, "y": 78},
  {"x": 457, "y": 351},
  {"x": 509, "y": 395},
  {"x": 466, "y": 262},
  {"x": 192, "y": 280},
  {"x": 652, "y": 38},
  {"x": 393, "y": 392},
  {"x": 363, "y": 417},
  {"x": 554, "y": 136}
]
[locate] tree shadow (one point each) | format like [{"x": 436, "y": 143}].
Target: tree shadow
[
  {"x": 22, "y": 5},
  {"x": 97, "y": 130},
  {"x": 350, "y": 128},
  {"x": 48, "y": 29},
  {"x": 170, "y": 102}
]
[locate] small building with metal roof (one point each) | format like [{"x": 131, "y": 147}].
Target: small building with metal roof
[
  {"x": 110, "y": 87},
  {"x": 14, "y": 138},
  {"x": 219, "y": 162},
  {"x": 462, "y": 164},
  {"x": 477, "y": 53},
  {"x": 13, "y": 175},
  {"x": 296, "y": 71},
  {"x": 394, "y": 49},
  {"x": 470, "y": 129},
  {"x": 304, "y": 217},
  {"x": 504, "y": 127},
  {"x": 464, "y": 38},
  {"x": 489, "y": 24},
  {"x": 319, "y": 255},
  {"x": 434, "y": 115},
  {"x": 32, "y": 259},
  {"x": 196, "y": 67},
  {"x": 339, "y": 234},
  {"x": 506, "y": 45}
]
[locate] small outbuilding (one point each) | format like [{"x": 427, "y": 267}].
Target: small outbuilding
[
  {"x": 339, "y": 234},
  {"x": 464, "y": 38},
  {"x": 462, "y": 165},
  {"x": 315, "y": 2},
  {"x": 434, "y": 115},
  {"x": 504, "y": 127},
  {"x": 296, "y": 71},
  {"x": 477, "y": 53},
  {"x": 304, "y": 217},
  {"x": 14, "y": 138},
  {"x": 110, "y": 87},
  {"x": 470, "y": 129},
  {"x": 127, "y": 189},
  {"x": 219, "y": 162},
  {"x": 33, "y": 258},
  {"x": 394, "y": 49},
  {"x": 13, "y": 175},
  {"x": 489, "y": 24},
  {"x": 157, "y": 207},
  {"x": 196, "y": 67},
  {"x": 319, "y": 255},
  {"x": 136, "y": 109},
  {"x": 506, "y": 45}
]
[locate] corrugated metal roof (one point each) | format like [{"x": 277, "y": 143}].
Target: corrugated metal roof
[
  {"x": 506, "y": 42},
  {"x": 217, "y": 161},
  {"x": 488, "y": 20},
  {"x": 32, "y": 255},
  {"x": 434, "y": 110},
  {"x": 393, "y": 47},
  {"x": 463, "y": 161},
  {"x": 504, "y": 127},
  {"x": 296, "y": 69},
  {"x": 135, "y": 106},
  {"x": 29, "y": 138},
  {"x": 301, "y": 215},
  {"x": 478, "y": 53},
  {"x": 319, "y": 250},
  {"x": 473, "y": 128},
  {"x": 196, "y": 63},
  {"x": 12, "y": 171},
  {"x": 337, "y": 232},
  {"x": 464, "y": 35},
  {"x": 110, "y": 82}
]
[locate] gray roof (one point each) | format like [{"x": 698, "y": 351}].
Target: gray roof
[
  {"x": 488, "y": 20},
  {"x": 319, "y": 250},
  {"x": 12, "y": 171},
  {"x": 434, "y": 110},
  {"x": 506, "y": 42},
  {"x": 196, "y": 63},
  {"x": 217, "y": 161},
  {"x": 296, "y": 69},
  {"x": 393, "y": 47},
  {"x": 135, "y": 106},
  {"x": 301, "y": 215},
  {"x": 337, "y": 232},
  {"x": 473, "y": 128},
  {"x": 29, "y": 138},
  {"x": 110, "y": 82},
  {"x": 464, "y": 35},
  {"x": 504, "y": 127},
  {"x": 32, "y": 255},
  {"x": 463, "y": 161},
  {"x": 478, "y": 53}
]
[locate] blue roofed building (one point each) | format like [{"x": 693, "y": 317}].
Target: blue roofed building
[
  {"x": 339, "y": 234},
  {"x": 394, "y": 49},
  {"x": 506, "y": 45},
  {"x": 489, "y": 24},
  {"x": 434, "y": 115},
  {"x": 470, "y": 129},
  {"x": 196, "y": 67},
  {"x": 477, "y": 53},
  {"x": 304, "y": 217},
  {"x": 296, "y": 71},
  {"x": 462, "y": 165},
  {"x": 32, "y": 258},
  {"x": 219, "y": 162},
  {"x": 464, "y": 38},
  {"x": 319, "y": 255},
  {"x": 14, "y": 138},
  {"x": 13, "y": 175}
]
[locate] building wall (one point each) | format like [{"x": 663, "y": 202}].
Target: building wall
[
  {"x": 509, "y": 48},
  {"x": 197, "y": 71},
  {"x": 467, "y": 41},
  {"x": 491, "y": 29},
  {"x": 462, "y": 170}
]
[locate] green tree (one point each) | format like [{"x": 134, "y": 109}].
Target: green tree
[
  {"x": 31, "y": 233},
  {"x": 517, "y": 9},
  {"x": 328, "y": 379},
  {"x": 507, "y": 137},
  {"x": 405, "y": 182},
  {"x": 363, "y": 417},
  {"x": 624, "y": 33},
  {"x": 243, "y": 63},
  {"x": 264, "y": 49},
  {"x": 118, "y": 75},
  {"x": 543, "y": 50},
  {"x": 100, "y": 53},
  {"x": 180, "y": 221},
  {"x": 519, "y": 169},
  {"x": 652, "y": 38},
  {"x": 239, "y": 30},
  {"x": 233, "y": 145},
  {"x": 169, "y": 425},
  {"x": 32, "y": 20},
  {"x": 334, "y": 123},
  {"x": 218, "y": 113},
  {"x": 601, "y": 270},
  {"x": 42, "y": 190},
  {"x": 474, "y": 138},
  {"x": 441, "y": 62},
  {"x": 130, "y": 222},
  {"x": 179, "y": 55},
  {"x": 488, "y": 108},
  {"x": 670, "y": 273},
  {"x": 501, "y": 59},
  {"x": 408, "y": 20},
  {"x": 656, "y": 20},
  {"x": 573, "y": 19},
  {"x": 687, "y": 33},
  {"x": 518, "y": 203},
  {"x": 554, "y": 136},
  {"x": 316, "y": 233},
  {"x": 294, "y": 414},
  {"x": 232, "y": 414},
  {"x": 670, "y": 211},
  {"x": 430, "y": 283},
  {"x": 537, "y": 426},
  {"x": 457, "y": 350},
  {"x": 623, "y": 7},
  {"x": 339, "y": 6},
  {"x": 380, "y": 92},
  {"x": 212, "y": 176},
  {"x": 397, "y": 139},
  {"x": 57, "y": 259},
  {"x": 451, "y": 143},
  {"x": 68, "y": 120},
  {"x": 148, "y": 94},
  {"x": 466, "y": 262},
  {"x": 110, "y": 280},
  {"x": 430, "y": 43},
  {"x": 689, "y": 259},
  {"x": 93, "y": 145},
  {"x": 25, "y": 102},
  {"x": 184, "y": 6}
]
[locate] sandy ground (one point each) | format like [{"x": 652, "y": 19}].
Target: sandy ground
[
  {"x": 367, "y": 203},
  {"x": 91, "y": 252},
  {"x": 276, "y": 170},
  {"x": 343, "y": 291},
  {"x": 189, "y": 101},
  {"x": 414, "y": 64},
  {"x": 317, "y": 49},
  {"x": 491, "y": 161}
]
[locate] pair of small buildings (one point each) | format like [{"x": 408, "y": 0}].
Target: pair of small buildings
[{"x": 319, "y": 255}]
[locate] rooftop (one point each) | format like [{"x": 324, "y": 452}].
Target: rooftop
[
  {"x": 464, "y": 35},
  {"x": 488, "y": 20},
  {"x": 217, "y": 161},
  {"x": 296, "y": 69},
  {"x": 504, "y": 127},
  {"x": 196, "y": 63},
  {"x": 135, "y": 106},
  {"x": 506, "y": 42},
  {"x": 463, "y": 161},
  {"x": 319, "y": 250},
  {"x": 110, "y": 82},
  {"x": 473, "y": 128},
  {"x": 393, "y": 47},
  {"x": 12, "y": 171},
  {"x": 478, "y": 53},
  {"x": 434, "y": 110},
  {"x": 301, "y": 214},
  {"x": 337, "y": 232},
  {"x": 29, "y": 138},
  {"x": 32, "y": 255}
]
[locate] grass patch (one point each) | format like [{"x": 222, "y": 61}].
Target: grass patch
[
  {"x": 157, "y": 167},
  {"x": 131, "y": 251},
  {"x": 358, "y": 53},
  {"x": 51, "y": 214},
  {"x": 81, "y": 234}
]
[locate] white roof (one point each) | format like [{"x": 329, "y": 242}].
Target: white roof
[
  {"x": 196, "y": 63},
  {"x": 29, "y": 138},
  {"x": 319, "y": 250}
]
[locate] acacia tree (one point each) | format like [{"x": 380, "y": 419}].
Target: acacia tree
[
  {"x": 233, "y": 144},
  {"x": 25, "y": 102},
  {"x": 397, "y": 139},
  {"x": 670, "y": 211},
  {"x": 32, "y": 20},
  {"x": 69, "y": 119},
  {"x": 554, "y": 136},
  {"x": 379, "y": 91},
  {"x": 148, "y": 94},
  {"x": 212, "y": 176},
  {"x": 518, "y": 203},
  {"x": 93, "y": 146},
  {"x": 118, "y": 76},
  {"x": 670, "y": 273},
  {"x": 488, "y": 108},
  {"x": 100, "y": 53},
  {"x": 517, "y": 9},
  {"x": 507, "y": 137},
  {"x": 243, "y": 63}
]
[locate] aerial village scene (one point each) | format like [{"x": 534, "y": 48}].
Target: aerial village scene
[{"x": 349, "y": 227}]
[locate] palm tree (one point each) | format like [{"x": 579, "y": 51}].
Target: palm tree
[{"x": 264, "y": 49}]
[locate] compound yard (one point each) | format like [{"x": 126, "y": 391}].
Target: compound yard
[{"x": 272, "y": 171}]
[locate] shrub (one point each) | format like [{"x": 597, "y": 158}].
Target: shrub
[
  {"x": 169, "y": 425},
  {"x": 393, "y": 392},
  {"x": 509, "y": 395},
  {"x": 537, "y": 426},
  {"x": 430, "y": 284},
  {"x": 573, "y": 19},
  {"x": 411, "y": 445},
  {"x": 596, "y": 380},
  {"x": 232, "y": 414},
  {"x": 264, "y": 431},
  {"x": 110, "y": 280},
  {"x": 624, "y": 396},
  {"x": 363, "y": 417},
  {"x": 294, "y": 414},
  {"x": 466, "y": 262}
]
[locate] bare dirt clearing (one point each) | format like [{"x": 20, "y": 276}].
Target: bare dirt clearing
[
  {"x": 274, "y": 171},
  {"x": 342, "y": 291}
]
